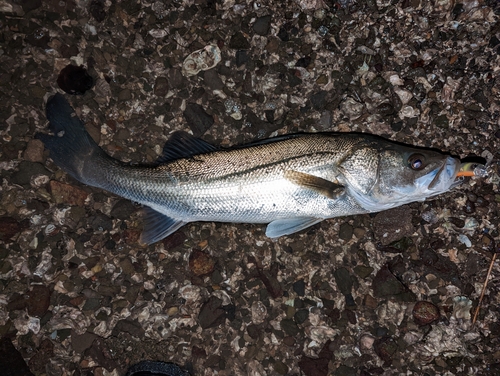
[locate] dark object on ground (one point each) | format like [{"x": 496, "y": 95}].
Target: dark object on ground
[
  {"x": 11, "y": 360},
  {"x": 75, "y": 80},
  {"x": 149, "y": 368}
]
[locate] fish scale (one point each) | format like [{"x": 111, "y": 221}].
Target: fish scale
[{"x": 290, "y": 182}]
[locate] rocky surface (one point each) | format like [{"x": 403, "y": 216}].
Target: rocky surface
[{"x": 364, "y": 295}]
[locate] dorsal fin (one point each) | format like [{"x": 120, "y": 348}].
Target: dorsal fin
[{"x": 183, "y": 145}]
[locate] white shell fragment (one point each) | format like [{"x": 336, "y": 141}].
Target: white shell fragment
[{"x": 204, "y": 59}]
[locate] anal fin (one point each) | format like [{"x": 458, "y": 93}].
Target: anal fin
[
  {"x": 158, "y": 226},
  {"x": 287, "y": 226},
  {"x": 322, "y": 186}
]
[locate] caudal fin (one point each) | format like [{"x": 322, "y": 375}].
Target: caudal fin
[{"x": 71, "y": 147}]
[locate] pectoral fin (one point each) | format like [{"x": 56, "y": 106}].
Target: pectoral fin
[
  {"x": 288, "y": 226},
  {"x": 157, "y": 226},
  {"x": 320, "y": 185}
]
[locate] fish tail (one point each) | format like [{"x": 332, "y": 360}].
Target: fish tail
[{"x": 71, "y": 146}]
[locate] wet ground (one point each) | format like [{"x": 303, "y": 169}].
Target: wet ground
[{"x": 384, "y": 294}]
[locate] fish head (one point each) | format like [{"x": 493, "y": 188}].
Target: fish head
[{"x": 381, "y": 177}]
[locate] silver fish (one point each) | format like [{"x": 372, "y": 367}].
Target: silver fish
[{"x": 290, "y": 182}]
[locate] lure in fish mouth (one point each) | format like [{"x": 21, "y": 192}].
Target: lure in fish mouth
[{"x": 289, "y": 182}]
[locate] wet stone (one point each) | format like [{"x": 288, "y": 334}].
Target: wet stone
[
  {"x": 201, "y": 263},
  {"x": 80, "y": 343},
  {"x": 34, "y": 151},
  {"x": 319, "y": 100},
  {"x": 317, "y": 366},
  {"x": 26, "y": 170},
  {"x": 211, "y": 313},
  {"x": 385, "y": 285},
  {"x": 125, "y": 95},
  {"x": 262, "y": 25},
  {"x": 11, "y": 360},
  {"x": 197, "y": 119},
  {"x": 75, "y": 80},
  {"x": 241, "y": 57},
  {"x": 67, "y": 194},
  {"x": 301, "y": 315},
  {"x": 175, "y": 78},
  {"x": 392, "y": 225},
  {"x": 343, "y": 280},
  {"x": 38, "y": 300},
  {"x": 38, "y": 361},
  {"x": 212, "y": 79},
  {"x": 161, "y": 87},
  {"x": 385, "y": 348},
  {"x": 239, "y": 42},
  {"x": 101, "y": 222},
  {"x": 425, "y": 313},
  {"x": 289, "y": 327},
  {"x": 280, "y": 367},
  {"x": 9, "y": 227},
  {"x": 345, "y": 231},
  {"x": 363, "y": 271},
  {"x": 123, "y": 209},
  {"x": 299, "y": 287},
  {"x": 132, "y": 327},
  {"x": 97, "y": 10}
]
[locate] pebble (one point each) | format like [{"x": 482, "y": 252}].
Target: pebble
[
  {"x": 201, "y": 263},
  {"x": 262, "y": 25},
  {"x": 239, "y": 42},
  {"x": 212, "y": 79},
  {"x": 197, "y": 119},
  {"x": 425, "y": 313},
  {"x": 67, "y": 194},
  {"x": 299, "y": 287},
  {"x": 161, "y": 87},
  {"x": 34, "y": 151}
]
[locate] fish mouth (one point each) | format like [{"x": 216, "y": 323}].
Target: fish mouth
[{"x": 446, "y": 175}]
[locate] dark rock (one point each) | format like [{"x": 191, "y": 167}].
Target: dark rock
[
  {"x": 300, "y": 287},
  {"x": 319, "y": 100},
  {"x": 161, "y": 87},
  {"x": 38, "y": 361},
  {"x": 174, "y": 240},
  {"x": 345, "y": 231},
  {"x": 253, "y": 331},
  {"x": 11, "y": 360},
  {"x": 241, "y": 57},
  {"x": 125, "y": 95},
  {"x": 29, "y": 5},
  {"x": 97, "y": 10},
  {"x": 132, "y": 327},
  {"x": 239, "y": 42},
  {"x": 101, "y": 222},
  {"x": 101, "y": 354},
  {"x": 385, "y": 285},
  {"x": 201, "y": 263},
  {"x": 67, "y": 194},
  {"x": 317, "y": 366},
  {"x": 175, "y": 78},
  {"x": 385, "y": 348},
  {"x": 363, "y": 271},
  {"x": 211, "y": 313},
  {"x": 26, "y": 170},
  {"x": 303, "y": 62},
  {"x": 262, "y": 25},
  {"x": 197, "y": 119},
  {"x": 290, "y": 327},
  {"x": 425, "y": 313},
  {"x": 441, "y": 266},
  {"x": 392, "y": 225},
  {"x": 343, "y": 280},
  {"x": 34, "y": 151},
  {"x": 301, "y": 315},
  {"x": 123, "y": 209},
  {"x": 75, "y": 80},
  {"x": 38, "y": 300},
  {"x": 212, "y": 79},
  {"x": 10, "y": 226},
  {"x": 345, "y": 371}
]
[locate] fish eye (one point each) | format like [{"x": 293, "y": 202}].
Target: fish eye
[{"x": 416, "y": 161}]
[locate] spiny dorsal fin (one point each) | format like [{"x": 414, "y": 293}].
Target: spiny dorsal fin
[
  {"x": 320, "y": 185},
  {"x": 183, "y": 145}
]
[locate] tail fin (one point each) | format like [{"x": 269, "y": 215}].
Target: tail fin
[{"x": 71, "y": 147}]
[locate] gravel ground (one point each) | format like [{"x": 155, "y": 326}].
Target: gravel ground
[{"x": 385, "y": 294}]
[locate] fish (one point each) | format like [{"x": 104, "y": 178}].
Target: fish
[{"x": 288, "y": 182}]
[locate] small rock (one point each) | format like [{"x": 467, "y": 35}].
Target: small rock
[
  {"x": 161, "y": 87},
  {"x": 392, "y": 225},
  {"x": 175, "y": 78},
  {"x": 26, "y": 170},
  {"x": 75, "y": 80},
  {"x": 425, "y": 313},
  {"x": 97, "y": 10},
  {"x": 290, "y": 327},
  {"x": 385, "y": 348},
  {"x": 197, "y": 119},
  {"x": 299, "y": 287},
  {"x": 11, "y": 360},
  {"x": 262, "y": 25},
  {"x": 123, "y": 209},
  {"x": 241, "y": 57},
  {"x": 345, "y": 231},
  {"x": 10, "y": 226},
  {"x": 133, "y": 327},
  {"x": 301, "y": 315},
  {"x": 212, "y": 79},
  {"x": 317, "y": 366},
  {"x": 239, "y": 42},
  {"x": 201, "y": 263},
  {"x": 38, "y": 300},
  {"x": 385, "y": 285},
  {"x": 343, "y": 280},
  {"x": 211, "y": 313},
  {"x": 67, "y": 194},
  {"x": 125, "y": 95},
  {"x": 319, "y": 100},
  {"x": 34, "y": 151},
  {"x": 80, "y": 343}
]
